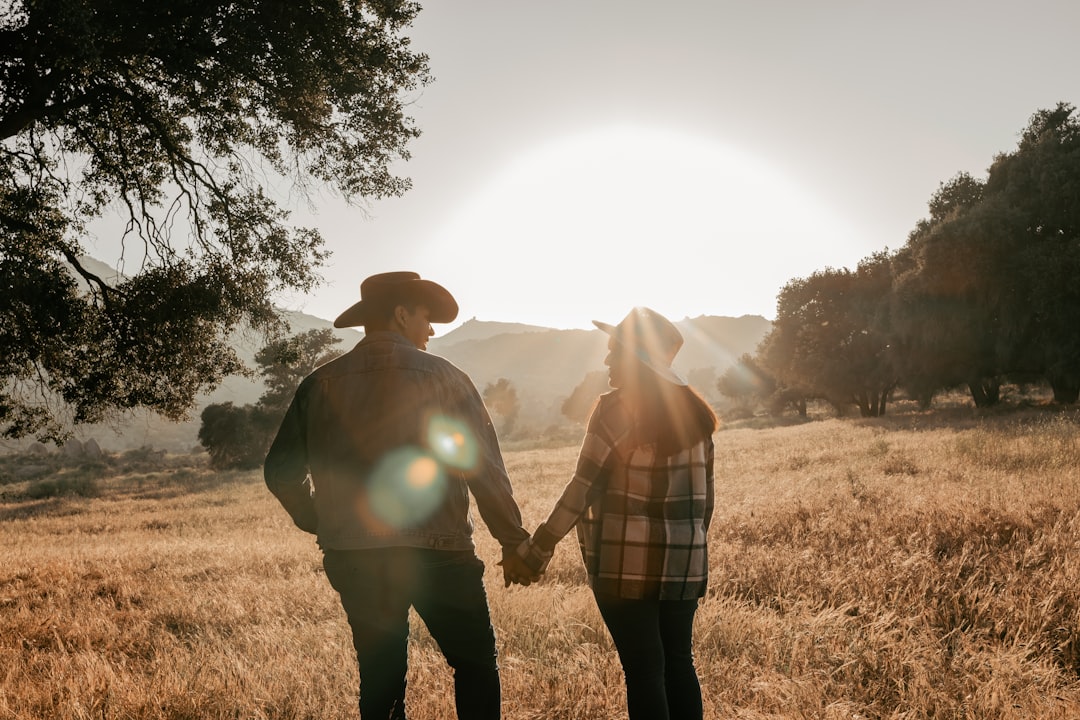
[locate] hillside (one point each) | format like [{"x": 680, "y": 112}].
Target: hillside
[
  {"x": 543, "y": 364},
  {"x": 550, "y": 363},
  {"x": 474, "y": 329},
  {"x": 143, "y": 429}
]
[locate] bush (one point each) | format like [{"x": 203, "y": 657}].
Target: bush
[
  {"x": 235, "y": 437},
  {"x": 77, "y": 484}
]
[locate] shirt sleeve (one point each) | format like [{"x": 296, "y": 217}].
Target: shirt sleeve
[
  {"x": 285, "y": 469},
  {"x": 489, "y": 484},
  {"x": 577, "y": 496}
]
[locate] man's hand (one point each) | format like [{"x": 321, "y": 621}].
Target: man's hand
[{"x": 515, "y": 570}]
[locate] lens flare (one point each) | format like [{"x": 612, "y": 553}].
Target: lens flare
[
  {"x": 452, "y": 443},
  {"x": 421, "y": 473},
  {"x": 406, "y": 487}
]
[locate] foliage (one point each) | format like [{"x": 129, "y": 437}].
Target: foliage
[
  {"x": 80, "y": 484},
  {"x": 285, "y": 362},
  {"x": 579, "y": 404},
  {"x": 746, "y": 382},
  {"x": 172, "y": 120},
  {"x": 502, "y": 400},
  {"x": 748, "y": 385},
  {"x": 239, "y": 436},
  {"x": 235, "y": 436},
  {"x": 703, "y": 379},
  {"x": 829, "y": 338},
  {"x": 989, "y": 289},
  {"x": 984, "y": 291},
  {"x": 1041, "y": 182},
  {"x": 952, "y": 311}
]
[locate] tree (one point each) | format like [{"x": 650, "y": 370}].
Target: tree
[
  {"x": 830, "y": 338},
  {"x": 956, "y": 315},
  {"x": 235, "y": 437},
  {"x": 285, "y": 362},
  {"x": 177, "y": 116},
  {"x": 579, "y": 404},
  {"x": 986, "y": 288},
  {"x": 239, "y": 437},
  {"x": 955, "y": 197},
  {"x": 746, "y": 383},
  {"x": 1040, "y": 181},
  {"x": 502, "y": 400}
]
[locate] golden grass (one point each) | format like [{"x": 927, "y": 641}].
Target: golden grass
[{"x": 913, "y": 567}]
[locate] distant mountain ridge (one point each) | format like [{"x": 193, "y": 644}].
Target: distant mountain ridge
[
  {"x": 474, "y": 329},
  {"x": 544, "y": 364},
  {"x": 551, "y": 363}
]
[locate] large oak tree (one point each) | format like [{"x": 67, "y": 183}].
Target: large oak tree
[
  {"x": 987, "y": 286},
  {"x": 830, "y": 337},
  {"x": 177, "y": 116}
]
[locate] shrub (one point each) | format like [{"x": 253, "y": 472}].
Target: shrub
[
  {"x": 235, "y": 437},
  {"x": 77, "y": 484}
]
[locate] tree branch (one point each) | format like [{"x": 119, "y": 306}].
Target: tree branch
[
  {"x": 37, "y": 107},
  {"x": 91, "y": 278}
]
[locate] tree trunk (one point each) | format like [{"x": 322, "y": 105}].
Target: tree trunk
[
  {"x": 985, "y": 391},
  {"x": 1065, "y": 392},
  {"x": 886, "y": 393},
  {"x": 862, "y": 401},
  {"x": 872, "y": 403}
]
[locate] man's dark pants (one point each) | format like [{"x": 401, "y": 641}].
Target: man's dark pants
[{"x": 377, "y": 588}]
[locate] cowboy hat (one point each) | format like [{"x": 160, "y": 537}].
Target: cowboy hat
[
  {"x": 380, "y": 291},
  {"x": 652, "y": 338}
]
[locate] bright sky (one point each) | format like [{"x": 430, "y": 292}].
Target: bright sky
[{"x": 579, "y": 158}]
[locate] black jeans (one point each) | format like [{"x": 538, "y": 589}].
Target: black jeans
[
  {"x": 653, "y": 638},
  {"x": 377, "y": 588}
]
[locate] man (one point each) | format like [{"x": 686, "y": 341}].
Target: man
[{"x": 376, "y": 456}]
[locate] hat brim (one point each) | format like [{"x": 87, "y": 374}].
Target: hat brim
[
  {"x": 441, "y": 305},
  {"x": 663, "y": 371}
]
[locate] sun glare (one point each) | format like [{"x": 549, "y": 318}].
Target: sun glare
[{"x": 587, "y": 226}]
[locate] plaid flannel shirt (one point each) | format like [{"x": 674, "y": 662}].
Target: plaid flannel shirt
[{"x": 642, "y": 521}]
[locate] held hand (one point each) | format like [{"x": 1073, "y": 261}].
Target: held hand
[{"x": 516, "y": 571}]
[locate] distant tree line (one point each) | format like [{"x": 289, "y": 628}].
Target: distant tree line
[{"x": 986, "y": 290}]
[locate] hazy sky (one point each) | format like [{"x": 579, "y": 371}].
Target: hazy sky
[{"x": 579, "y": 158}]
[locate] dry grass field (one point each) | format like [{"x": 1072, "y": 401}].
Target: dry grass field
[{"x": 920, "y": 566}]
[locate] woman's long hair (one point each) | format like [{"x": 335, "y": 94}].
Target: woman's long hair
[{"x": 674, "y": 417}]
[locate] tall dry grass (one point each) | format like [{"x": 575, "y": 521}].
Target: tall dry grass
[{"x": 922, "y": 566}]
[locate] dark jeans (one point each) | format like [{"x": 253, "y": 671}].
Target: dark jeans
[
  {"x": 377, "y": 588},
  {"x": 653, "y": 638}
]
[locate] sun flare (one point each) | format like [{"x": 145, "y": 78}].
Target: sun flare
[{"x": 586, "y": 226}]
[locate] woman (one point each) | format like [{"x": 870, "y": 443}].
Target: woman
[{"x": 641, "y": 499}]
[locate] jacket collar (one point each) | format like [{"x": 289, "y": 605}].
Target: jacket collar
[{"x": 386, "y": 336}]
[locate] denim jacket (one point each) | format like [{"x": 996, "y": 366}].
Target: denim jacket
[{"x": 380, "y": 448}]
